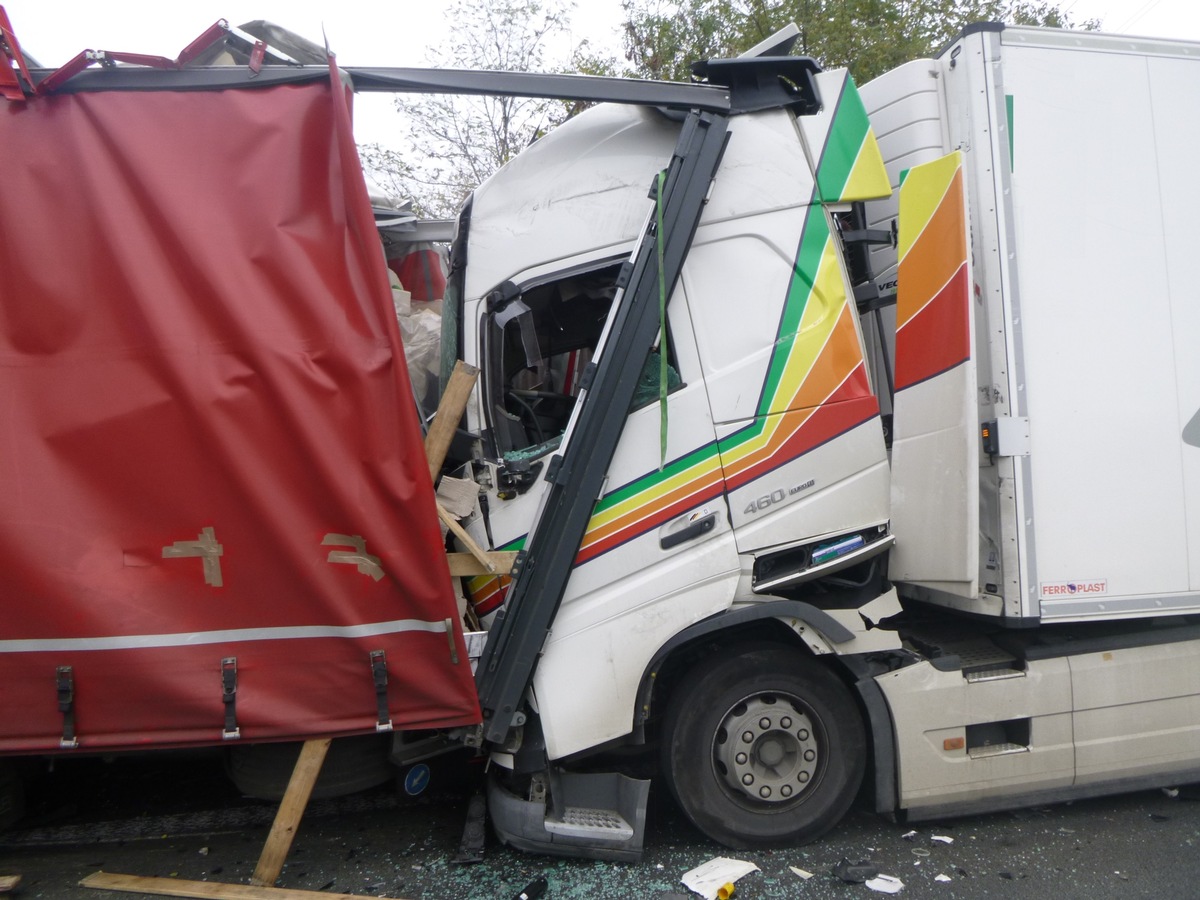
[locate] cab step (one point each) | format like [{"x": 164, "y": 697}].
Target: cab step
[{"x": 592, "y": 815}]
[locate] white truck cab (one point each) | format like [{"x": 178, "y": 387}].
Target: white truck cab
[{"x": 776, "y": 516}]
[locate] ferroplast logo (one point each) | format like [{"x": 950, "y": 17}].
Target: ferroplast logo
[{"x": 1060, "y": 590}]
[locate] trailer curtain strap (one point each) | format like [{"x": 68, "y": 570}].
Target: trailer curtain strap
[
  {"x": 65, "y": 679},
  {"x": 379, "y": 675},
  {"x": 662, "y": 322},
  {"x": 229, "y": 698}
]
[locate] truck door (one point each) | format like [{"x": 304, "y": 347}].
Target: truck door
[
  {"x": 800, "y": 443},
  {"x": 658, "y": 554}
]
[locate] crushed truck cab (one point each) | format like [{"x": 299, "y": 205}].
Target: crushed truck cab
[{"x": 854, "y": 508}]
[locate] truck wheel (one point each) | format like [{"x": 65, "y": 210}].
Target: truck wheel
[
  {"x": 12, "y": 795},
  {"x": 763, "y": 749},
  {"x": 353, "y": 764}
]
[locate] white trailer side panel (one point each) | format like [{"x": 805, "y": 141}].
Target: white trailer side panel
[
  {"x": 1178, "y": 110},
  {"x": 1080, "y": 157},
  {"x": 1097, "y": 129}
]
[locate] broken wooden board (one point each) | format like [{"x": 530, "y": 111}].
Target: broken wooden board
[
  {"x": 467, "y": 564},
  {"x": 291, "y": 809},
  {"x": 449, "y": 414},
  {"x": 207, "y": 890},
  {"x": 467, "y": 541}
]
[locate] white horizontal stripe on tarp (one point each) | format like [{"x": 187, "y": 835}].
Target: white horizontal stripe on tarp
[{"x": 233, "y": 635}]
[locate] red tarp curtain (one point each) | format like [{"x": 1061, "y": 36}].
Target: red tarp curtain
[{"x": 208, "y": 445}]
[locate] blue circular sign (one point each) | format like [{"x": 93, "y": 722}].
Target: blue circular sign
[{"x": 416, "y": 780}]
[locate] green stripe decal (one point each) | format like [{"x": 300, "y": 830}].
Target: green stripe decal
[
  {"x": 673, "y": 468},
  {"x": 804, "y": 274},
  {"x": 813, "y": 244},
  {"x": 847, "y": 133}
]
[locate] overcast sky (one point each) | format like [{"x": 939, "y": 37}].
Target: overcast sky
[{"x": 397, "y": 33}]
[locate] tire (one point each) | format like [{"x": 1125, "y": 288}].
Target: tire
[
  {"x": 353, "y": 764},
  {"x": 763, "y": 749}
]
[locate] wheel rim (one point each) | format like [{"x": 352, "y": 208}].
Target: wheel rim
[{"x": 767, "y": 751}]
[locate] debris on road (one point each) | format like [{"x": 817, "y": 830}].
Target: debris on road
[
  {"x": 708, "y": 880},
  {"x": 855, "y": 872},
  {"x": 533, "y": 890},
  {"x": 886, "y": 884}
]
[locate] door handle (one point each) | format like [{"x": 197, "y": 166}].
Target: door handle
[{"x": 691, "y": 532}]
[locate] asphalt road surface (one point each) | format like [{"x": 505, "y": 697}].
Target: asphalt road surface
[{"x": 180, "y": 818}]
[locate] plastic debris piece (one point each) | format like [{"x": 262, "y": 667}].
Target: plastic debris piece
[
  {"x": 1171, "y": 792},
  {"x": 470, "y": 847},
  {"x": 942, "y": 878},
  {"x": 919, "y": 851},
  {"x": 886, "y": 884},
  {"x": 801, "y": 873},
  {"x": 1066, "y": 831},
  {"x": 909, "y": 835},
  {"x": 533, "y": 890},
  {"x": 725, "y": 891},
  {"x": 708, "y": 880},
  {"x": 855, "y": 872},
  {"x": 942, "y": 839}
]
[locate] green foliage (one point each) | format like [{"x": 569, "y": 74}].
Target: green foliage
[
  {"x": 454, "y": 142},
  {"x": 866, "y": 36},
  {"x": 662, "y": 39},
  {"x": 458, "y": 141}
]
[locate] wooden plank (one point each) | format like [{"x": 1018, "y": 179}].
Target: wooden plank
[
  {"x": 467, "y": 564},
  {"x": 206, "y": 890},
  {"x": 291, "y": 808},
  {"x": 449, "y": 414},
  {"x": 467, "y": 541}
]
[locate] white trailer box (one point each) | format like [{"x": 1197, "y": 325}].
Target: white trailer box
[{"x": 1078, "y": 159}]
